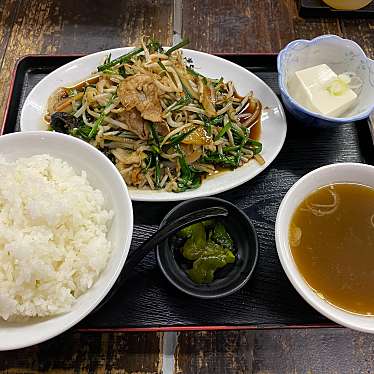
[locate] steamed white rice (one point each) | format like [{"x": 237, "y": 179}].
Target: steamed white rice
[{"x": 53, "y": 236}]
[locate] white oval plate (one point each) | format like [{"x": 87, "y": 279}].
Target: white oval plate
[{"x": 274, "y": 125}]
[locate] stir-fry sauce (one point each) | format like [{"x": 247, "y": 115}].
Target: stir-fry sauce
[
  {"x": 162, "y": 123},
  {"x": 332, "y": 242}
]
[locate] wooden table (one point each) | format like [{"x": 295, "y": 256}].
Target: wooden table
[{"x": 52, "y": 26}]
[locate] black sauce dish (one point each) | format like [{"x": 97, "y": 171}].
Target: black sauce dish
[{"x": 226, "y": 280}]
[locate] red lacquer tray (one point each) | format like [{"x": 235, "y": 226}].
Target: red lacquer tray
[{"x": 147, "y": 302}]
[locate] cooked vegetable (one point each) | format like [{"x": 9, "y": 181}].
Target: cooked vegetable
[
  {"x": 177, "y": 46},
  {"x": 204, "y": 267},
  {"x": 210, "y": 248},
  {"x": 63, "y": 122},
  {"x": 100, "y": 120},
  {"x": 221, "y": 236},
  {"x": 175, "y": 125},
  {"x": 120, "y": 60}
]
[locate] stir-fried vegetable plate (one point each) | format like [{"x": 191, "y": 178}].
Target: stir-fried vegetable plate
[{"x": 177, "y": 124}]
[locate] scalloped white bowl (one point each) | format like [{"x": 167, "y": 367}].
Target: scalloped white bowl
[
  {"x": 335, "y": 173},
  {"x": 342, "y": 55}
]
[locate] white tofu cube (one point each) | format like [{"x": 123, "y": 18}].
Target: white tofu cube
[{"x": 310, "y": 88}]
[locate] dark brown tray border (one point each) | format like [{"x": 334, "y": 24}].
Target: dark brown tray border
[{"x": 161, "y": 328}]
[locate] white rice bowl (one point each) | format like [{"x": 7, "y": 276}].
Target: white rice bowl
[
  {"x": 102, "y": 175},
  {"x": 53, "y": 236}
]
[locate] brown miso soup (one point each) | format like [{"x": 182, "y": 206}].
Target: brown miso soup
[{"x": 332, "y": 242}]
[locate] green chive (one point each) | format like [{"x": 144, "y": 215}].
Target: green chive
[
  {"x": 162, "y": 66},
  {"x": 121, "y": 59},
  {"x": 100, "y": 120},
  {"x": 223, "y": 131},
  {"x": 154, "y": 134},
  {"x": 177, "y": 46}
]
